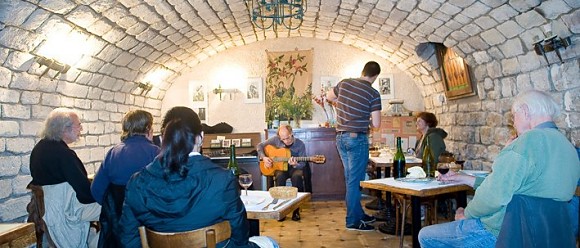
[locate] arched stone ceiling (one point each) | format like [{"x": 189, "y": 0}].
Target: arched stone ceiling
[{"x": 131, "y": 38}]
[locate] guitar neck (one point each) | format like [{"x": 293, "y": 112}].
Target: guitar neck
[{"x": 299, "y": 159}]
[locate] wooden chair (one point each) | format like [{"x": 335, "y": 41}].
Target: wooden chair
[{"x": 203, "y": 237}]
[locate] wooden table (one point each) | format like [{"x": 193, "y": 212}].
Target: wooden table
[
  {"x": 283, "y": 207},
  {"x": 416, "y": 191},
  {"x": 385, "y": 161},
  {"x": 17, "y": 234}
]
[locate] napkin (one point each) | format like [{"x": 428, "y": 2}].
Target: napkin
[{"x": 416, "y": 172}]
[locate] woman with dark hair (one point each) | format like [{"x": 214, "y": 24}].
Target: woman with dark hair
[
  {"x": 182, "y": 190},
  {"x": 175, "y": 113},
  {"x": 427, "y": 126}
]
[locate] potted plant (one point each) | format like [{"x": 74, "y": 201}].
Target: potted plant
[{"x": 293, "y": 107}]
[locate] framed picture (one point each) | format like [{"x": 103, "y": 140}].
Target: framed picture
[
  {"x": 254, "y": 91},
  {"x": 327, "y": 82},
  {"x": 386, "y": 86},
  {"x": 198, "y": 94},
  {"x": 226, "y": 143},
  {"x": 202, "y": 114},
  {"x": 455, "y": 73},
  {"x": 236, "y": 142}
]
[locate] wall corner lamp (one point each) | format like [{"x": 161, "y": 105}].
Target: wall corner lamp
[
  {"x": 52, "y": 64},
  {"x": 550, "y": 44},
  {"x": 219, "y": 90},
  {"x": 145, "y": 87}
]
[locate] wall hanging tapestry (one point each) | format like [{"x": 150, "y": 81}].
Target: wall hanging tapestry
[{"x": 289, "y": 86}]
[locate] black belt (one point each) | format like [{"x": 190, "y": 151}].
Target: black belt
[{"x": 343, "y": 132}]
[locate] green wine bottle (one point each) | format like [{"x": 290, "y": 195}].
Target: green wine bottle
[
  {"x": 428, "y": 162},
  {"x": 232, "y": 163},
  {"x": 399, "y": 161}
]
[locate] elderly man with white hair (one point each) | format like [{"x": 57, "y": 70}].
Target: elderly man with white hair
[{"x": 540, "y": 164}]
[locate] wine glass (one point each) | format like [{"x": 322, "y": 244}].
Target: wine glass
[
  {"x": 245, "y": 181},
  {"x": 443, "y": 168}
]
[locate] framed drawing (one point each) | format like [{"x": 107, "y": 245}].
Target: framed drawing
[
  {"x": 202, "y": 114},
  {"x": 226, "y": 143},
  {"x": 455, "y": 73},
  {"x": 197, "y": 94},
  {"x": 237, "y": 142},
  {"x": 327, "y": 82},
  {"x": 254, "y": 91},
  {"x": 386, "y": 86}
]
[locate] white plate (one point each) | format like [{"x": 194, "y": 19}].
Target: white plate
[
  {"x": 251, "y": 200},
  {"x": 475, "y": 173},
  {"x": 414, "y": 180}
]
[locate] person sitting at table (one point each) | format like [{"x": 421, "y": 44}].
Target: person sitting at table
[
  {"x": 427, "y": 126},
  {"x": 133, "y": 153},
  {"x": 541, "y": 162},
  {"x": 177, "y": 112},
  {"x": 182, "y": 190},
  {"x": 285, "y": 140},
  {"x": 68, "y": 203}
]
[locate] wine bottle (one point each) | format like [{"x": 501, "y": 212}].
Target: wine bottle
[
  {"x": 428, "y": 159},
  {"x": 399, "y": 161},
  {"x": 232, "y": 163}
]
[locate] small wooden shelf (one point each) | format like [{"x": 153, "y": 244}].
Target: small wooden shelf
[{"x": 256, "y": 139}]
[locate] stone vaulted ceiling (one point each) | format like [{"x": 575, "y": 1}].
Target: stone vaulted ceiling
[{"x": 130, "y": 38}]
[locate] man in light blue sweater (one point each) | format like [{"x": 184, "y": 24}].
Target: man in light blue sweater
[{"x": 540, "y": 162}]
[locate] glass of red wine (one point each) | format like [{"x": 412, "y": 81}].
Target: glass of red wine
[{"x": 442, "y": 168}]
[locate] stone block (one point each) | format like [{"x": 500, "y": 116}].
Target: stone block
[
  {"x": 540, "y": 80},
  {"x": 566, "y": 76},
  {"x": 31, "y": 128},
  {"x": 14, "y": 208},
  {"x": 503, "y": 13},
  {"x": 19, "y": 145},
  {"x": 530, "y": 19},
  {"x": 508, "y": 87},
  {"x": 477, "y": 9},
  {"x": 510, "y": 66},
  {"x": 5, "y": 188},
  {"x": 552, "y": 9},
  {"x": 492, "y": 37},
  {"x": 19, "y": 184},
  {"x": 15, "y": 111},
  {"x": 510, "y": 29},
  {"x": 9, "y": 166},
  {"x": 572, "y": 101},
  {"x": 486, "y": 135},
  {"x": 523, "y": 82},
  {"x": 52, "y": 100}
]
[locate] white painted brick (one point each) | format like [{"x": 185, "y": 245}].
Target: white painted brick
[
  {"x": 5, "y": 188},
  {"x": 9, "y": 129},
  {"x": 14, "y": 208},
  {"x": 73, "y": 90},
  {"x": 512, "y": 47},
  {"x": 553, "y": 8},
  {"x": 19, "y": 145},
  {"x": 10, "y": 165},
  {"x": 52, "y": 100},
  {"x": 31, "y": 128},
  {"x": 19, "y": 184},
  {"x": 530, "y": 19},
  {"x": 30, "y": 97},
  {"x": 15, "y": 111},
  {"x": 503, "y": 13},
  {"x": 83, "y": 16},
  {"x": 94, "y": 128}
]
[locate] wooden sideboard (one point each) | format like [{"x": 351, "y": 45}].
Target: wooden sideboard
[{"x": 328, "y": 178}]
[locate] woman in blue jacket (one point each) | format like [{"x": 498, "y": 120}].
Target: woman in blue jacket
[{"x": 181, "y": 190}]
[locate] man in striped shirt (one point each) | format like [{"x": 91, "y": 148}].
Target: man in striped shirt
[{"x": 357, "y": 104}]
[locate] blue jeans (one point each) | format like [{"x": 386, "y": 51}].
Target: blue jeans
[
  {"x": 354, "y": 153},
  {"x": 460, "y": 233}
]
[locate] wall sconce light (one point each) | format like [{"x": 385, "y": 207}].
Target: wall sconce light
[
  {"x": 219, "y": 90},
  {"x": 145, "y": 88},
  {"x": 550, "y": 44},
  {"x": 52, "y": 64}
]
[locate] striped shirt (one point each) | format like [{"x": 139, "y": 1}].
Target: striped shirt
[{"x": 356, "y": 100}]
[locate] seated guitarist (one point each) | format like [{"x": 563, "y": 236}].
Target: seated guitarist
[{"x": 285, "y": 139}]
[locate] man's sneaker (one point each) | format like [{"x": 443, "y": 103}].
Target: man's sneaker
[
  {"x": 360, "y": 227},
  {"x": 368, "y": 219}
]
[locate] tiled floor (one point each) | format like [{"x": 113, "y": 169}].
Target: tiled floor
[{"x": 323, "y": 225}]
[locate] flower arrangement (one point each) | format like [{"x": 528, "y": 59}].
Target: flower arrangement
[{"x": 323, "y": 101}]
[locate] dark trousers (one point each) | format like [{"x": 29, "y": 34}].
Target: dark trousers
[{"x": 295, "y": 175}]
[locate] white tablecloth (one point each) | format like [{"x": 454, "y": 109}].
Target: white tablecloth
[
  {"x": 412, "y": 186},
  {"x": 385, "y": 159},
  {"x": 263, "y": 197}
]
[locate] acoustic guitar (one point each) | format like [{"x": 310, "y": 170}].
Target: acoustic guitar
[{"x": 281, "y": 157}]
